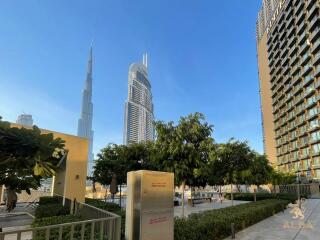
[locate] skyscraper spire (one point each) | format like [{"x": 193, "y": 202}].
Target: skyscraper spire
[{"x": 85, "y": 120}]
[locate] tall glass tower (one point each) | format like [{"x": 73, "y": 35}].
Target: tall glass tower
[
  {"x": 85, "y": 121},
  {"x": 138, "y": 119}
]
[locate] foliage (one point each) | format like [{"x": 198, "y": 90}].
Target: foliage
[
  {"x": 259, "y": 171},
  {"x": 120, "y": 159},
  {"x": 53, "y": 220},
  {"x": 236, "y": 157},
  {"x": 215, "y": 224},
  {"x": 110, "y": 207},
  {"x": 184, "y": 149},
  {"x": 263, "y": 196},
  {"x": 45, "y": 200},
  {"x": 282, "y": 178},
  {"x": 27, "y": 156},
  {"x": 49, "y": 210}
]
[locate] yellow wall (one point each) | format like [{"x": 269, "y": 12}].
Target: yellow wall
[
  {"x": 71, "y": 180},
  {"x": 266, "y": 101}
]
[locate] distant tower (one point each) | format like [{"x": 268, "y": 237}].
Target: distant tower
[
  {"x": 138, "y": 119},
  {"x": 85, "y": 121},
  {"x": 25, "y": 120}
]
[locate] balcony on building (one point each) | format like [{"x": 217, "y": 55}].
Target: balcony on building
[
  {"x": 295, "y": 71},
  {"x": 302, "y": 27},
  {"x": 291, "y": 31},
  {"x": 290, "y": 19},
  {"x": 304, "y": 48},
  {"x": 315, "y": 33},
  {"x": 312, "y": 12},
  {"x": 309, "y": 91},
  {"x": 316, "y": 46},
  {"x": 270, "y": 54},
  {"x": 305, "y": 58},
  {"x": 316, "y": 59},
  {"x": 278, "y": 62},
  {"x": 311, "y": 104},
  {"x": 293, "y": 51},
  {"x": 282, "y": 26},
  {"x": 291, "y": 41},
  {"x": 298, "y": 99},
  {"x": 294, "y": 59},
  {"x": 310, "y": 3},
  {"x": 314, "y": 22},
  {"x": 317, "y": 71},
  {"x": 277, "y": 53},
  {"x": 271, "y": 63},
  {"x": 302, "y": 39},
  {"x": 299, "y": 7},
  {"x": 308, "y": 79},
  {"x": 283, "y": 42},
  {"x": 300, "y": 17},
  {"x": 307, "y": 69},
  {"x": 317, "y": 84}
]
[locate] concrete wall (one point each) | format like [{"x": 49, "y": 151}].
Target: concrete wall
[
  {"x": 266, "y": 101},
  {"x": 70, "y": 179}
]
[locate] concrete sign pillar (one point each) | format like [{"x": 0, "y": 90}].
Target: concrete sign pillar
[{"x": 149, "y": 206}]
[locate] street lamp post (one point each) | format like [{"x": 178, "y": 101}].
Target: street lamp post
[{"x": 298, "y": 187}]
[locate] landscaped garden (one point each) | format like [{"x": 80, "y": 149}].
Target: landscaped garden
[
  {"x": 216, "y": 224},
  {"x": 263, "y": 196}
]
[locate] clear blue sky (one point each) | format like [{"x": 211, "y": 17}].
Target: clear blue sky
[{"x": 202, "y": 57}]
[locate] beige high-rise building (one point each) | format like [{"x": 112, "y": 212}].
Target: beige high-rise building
[{"x": 288, "y": 46}]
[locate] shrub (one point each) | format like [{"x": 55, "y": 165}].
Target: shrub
[
  {"x": 216, "y": 224},
  {"x": 49, "y": 200},
  {"x": 50, "y": 210},
  {"x": 263, "y": 196},
  {"x": 45, "y": 221},
  {"x": 110, "y": 207}
]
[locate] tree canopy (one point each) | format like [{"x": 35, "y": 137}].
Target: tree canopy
[{"x": 27, "y": 156}]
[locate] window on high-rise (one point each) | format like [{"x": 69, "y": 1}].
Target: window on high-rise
[
  {"x": 315, "y": 136},
  {"x": 316, "y": 148}
]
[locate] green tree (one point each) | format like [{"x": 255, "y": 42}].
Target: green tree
[
  {"x": 236, "y": 157},
  {"x": 259, "y": 172},
  {"x": 26, "y": 156},
  {"x": 184, "y": 149},
  {"x": 215, "y": 171},
  {"x": 116, "y": 160}
]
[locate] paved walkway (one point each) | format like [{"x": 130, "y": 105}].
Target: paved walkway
[
  {"x": 283, "y": 226},
  {"x": 204, "y": 207}
]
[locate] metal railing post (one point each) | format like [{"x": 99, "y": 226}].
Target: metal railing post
[
  {"x": 233, "y": 235},
  {"x": 118, "y": 229}
]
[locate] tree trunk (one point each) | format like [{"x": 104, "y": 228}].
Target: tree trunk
[
  {"x": 183, "y": 186},
  {"x": 11, "y": 199},
  {"x": 231, "y": 194},
  {"x": 120, "y": 197},
  {"x": 255, "y": 194},
  {"x": 220, "y": 193},
  {"x": 238, "y": 188}
]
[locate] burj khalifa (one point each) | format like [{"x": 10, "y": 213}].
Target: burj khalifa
[{"x": 85, "y": 121}]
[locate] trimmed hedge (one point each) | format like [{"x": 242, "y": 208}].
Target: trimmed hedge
[
  {"x": 263, "y": 196},
  {"x": 49, "y": 200},
  {"x": 50, "y": 210},
  {"x": 110, "y": 207},
  {"x": 39, "y": 222},
  {"x": 216, "y": 224}
]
